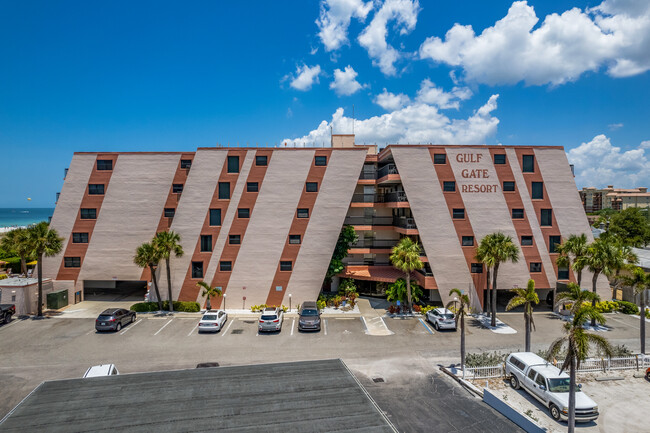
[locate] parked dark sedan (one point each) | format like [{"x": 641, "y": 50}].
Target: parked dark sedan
[{"x": 113, "y": 319}]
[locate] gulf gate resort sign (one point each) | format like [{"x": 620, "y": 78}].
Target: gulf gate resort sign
[{"x": 477, "y": 178}]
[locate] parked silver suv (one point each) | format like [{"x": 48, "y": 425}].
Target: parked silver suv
[{"x": 271, "y": 319}]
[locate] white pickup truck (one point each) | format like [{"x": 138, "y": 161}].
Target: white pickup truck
[{"x": 547, "y": 384}]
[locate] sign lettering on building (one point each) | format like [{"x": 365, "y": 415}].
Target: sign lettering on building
[{"x": 471, "y": 173}]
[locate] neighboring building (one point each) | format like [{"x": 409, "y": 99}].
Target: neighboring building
[
  {"x": 594, "y": 199},
  {"x": 23, "y": 293},
  {"x": 262, "y": 223}
]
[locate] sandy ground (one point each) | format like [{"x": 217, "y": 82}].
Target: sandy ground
[{"x": 623, "y": 404}]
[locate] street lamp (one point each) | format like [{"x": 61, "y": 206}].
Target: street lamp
[
  {"x": 224, "y": 301},
  {"x": 455, "y": 302},
  {"x": 290, "y": 302}
]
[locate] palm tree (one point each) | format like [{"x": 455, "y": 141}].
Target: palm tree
[
  {"x": 147, "y": 256},
  {"x": 209, "y": 292},
  {"x": 577, "y": 342},
  {"x": 460, "y": 313},
  {"x": 639, "y": 281},
  {"x": 501, "y": 249},
  {"x": 526, "y": 297},
  {"x": 406, "y": 258},
  {"x": 167, "y": 243},
  {"x": 15, "y": 242},
  {"x": 397, "y": 291},
  {"x": 43, "y": 242},
  {"x": 483, "y": 255},
  {"x": 572, "y": 250},
  {"x": 576, "y": 296}
]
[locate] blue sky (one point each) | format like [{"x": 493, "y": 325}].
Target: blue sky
[{"x": 147, "y": 76}]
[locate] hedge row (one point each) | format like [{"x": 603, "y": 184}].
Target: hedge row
[{"x": 187, "y": 307}]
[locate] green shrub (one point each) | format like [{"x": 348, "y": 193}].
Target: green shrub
[
  {"x": 606, "y": 306},
  {"x": 627, "y": 307},
  {"x": 180, "y": 306},
  {"x": 258, "y": 308},
  {"x": 427, "y": 308},
  {"x": 321, "y": 304},
  {"x": 484, "y": 359},
  {"x": 3, "y": 276}
]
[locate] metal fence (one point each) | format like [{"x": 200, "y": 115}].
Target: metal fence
[{"x": 484, "y": 372}]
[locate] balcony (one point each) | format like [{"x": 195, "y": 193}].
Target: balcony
[
  {"x": 365, "y": 175},
  {"x": 391, "y": 199},
  {"x": 369, "y": 221},
  {"x": 404, "y": 223},
  {"x": 374, "y": 243},
  {"x": 386, "y": 170}
]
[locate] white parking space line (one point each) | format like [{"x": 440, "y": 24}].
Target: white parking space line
[
  {"x": 192, "y": 331},
  {"x": 225, "y": 331},
  {"x": 13, "y": 322},
  {"x": 365, "y": 325},
  {"x": 163, "y": 327},
  {"x": 92, "y": 331},
  {"x": 130, "y": 326},
  {"x": 293, "y": 324},
  {"x": 325, "y": 326}
]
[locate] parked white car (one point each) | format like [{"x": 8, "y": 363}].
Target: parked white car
[
  {"x": 101, "y": 370},
  {"x": 547, "y": 384},
  {"x": 213, "y": 321},
  {"x": 441, "y": 318}
]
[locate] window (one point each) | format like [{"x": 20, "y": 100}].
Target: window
[
  {"x": 88, "y": 214},
  {"x": 96, "y": 189},
  {"x": 215, "y": 217},
  {"x": 104, "y": 164},
  {"x": 546, "y": 217},
  {"x": 449, "y": 186},
  {"x": 186, "y": 163},
  {"x": 553, "y": 242},
  {"x": 311, "y": 187},
  {"x": 508, "y": 186},
  {"x": 539, "y": 380},
  {"x": 197, "y": 269},
  {"x": 303, "y": 213},
  {"x": 225, "y": 266},
  {"x": 458, "y": 213},
  {"x": 531, "y": 374},
  {"x": 261, "y": 160},
  {"x": 517, "y": 363},
  {"x": 538, "y": 190},
  {"x": 526, "y": 241},
  {"x": 439, "y": 158},
  {"x": 72, "y": 262},
  {"x": 233, "y": 164},
  {"x": 285, "y": 266},
  {"x": 562, "y": 273},
  {"x": 224, "y": 190},
  {"x": 477, "y": 268},
  {"x": 206, "y": 243},
  {"x": 177, "y": 188},
  {"x": 243, "y": 213},
  {"x": 320, "y": 160},
  {"x": 170, "y": 212},
  {"x": 252, "y": 187},
  {"x": 294, "y": 239},
  {"x": 517, "y": 214},
  {"x": 535, "y": 267},
  {"x": 79, "y": 238},
  {"x": 500, "y": 158},
  {"x": 234, "y": 239},
  {"x": 468, "y": 241},
  {"x": 528, "y": 163}
]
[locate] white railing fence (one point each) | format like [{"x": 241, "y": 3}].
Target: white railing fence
[{"x": 484, "y": 372}]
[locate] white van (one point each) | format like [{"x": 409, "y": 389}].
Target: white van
[
  {"x": 101, "y": 370},
  {"x": 547, "y": 384}
]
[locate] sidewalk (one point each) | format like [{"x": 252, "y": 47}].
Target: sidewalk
[{"x": 373, "y": 319}]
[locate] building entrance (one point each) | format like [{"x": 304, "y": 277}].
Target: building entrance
[{"x": 114, "y": 290}]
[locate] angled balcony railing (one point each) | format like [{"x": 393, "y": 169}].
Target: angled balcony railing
[
  {"x": 404, "y": 222},
  {"x": 368, "y": 262},
  {"x": 367, "y": 198},
  {"x": 374, "y": 243},
  {"x": 395, "y": 197},
  {"x": 386, "y": 170},
  {"x": 368, "y": 175},
  {"x": 367, "y": 221}
]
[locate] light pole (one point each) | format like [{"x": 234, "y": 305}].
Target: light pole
[
  {"x": 224, "y": 302},
  {"x": 455, "y": 302},
  {"x": 290, "y": 302}
]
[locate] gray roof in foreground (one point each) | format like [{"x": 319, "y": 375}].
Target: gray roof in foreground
[{"x": 310, "y": 396}]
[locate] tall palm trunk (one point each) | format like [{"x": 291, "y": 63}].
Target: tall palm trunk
[
  {"x": 209, "y": 306},
  {"x": 462, "y": 344},
  {"x": 572, "y": 396},
  {"x": 23, "y": 265},
  {"x": 579, "y": 277},
  {"x": 169, "y": 286},
  {"x": 494, "y": 295},
  {"x": 527, "y": 320},
  {"x": 408, "y": 292},
  {"x": 642, "y": 324},
  {"x": 155, "y": 286},
  {"x": 593, "y": 301},
  {"x": 40, "y": 285},
  {"x": 487, "y": 289}
]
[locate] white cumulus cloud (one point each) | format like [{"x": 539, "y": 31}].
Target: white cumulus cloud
[
  {"x": 598, "y": 163},
  {"x": 334, "y": 20},
  {"x": 391, "y": 101},
  {"x": 345, "y": 82},
  {"x": 432, "y": 95},
  {"x": 614, "y": 35},
  {"x": 416, "y": 123},
  {"x": 373, "y": 37},
  {"x": 304, "y": 78}
]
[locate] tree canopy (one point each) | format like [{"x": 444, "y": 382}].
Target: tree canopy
[{"x": 631, "y": 227}]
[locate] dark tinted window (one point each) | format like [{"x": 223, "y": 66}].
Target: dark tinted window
[
  {"x": 72, "y": 262},
  {"x": 294, "y": 239},
  {"x": 439, "y": 158},
  {"x": 88, "y": 214},
  {"x": 546, "y": 217},
  {"x": 458, "y": 213},
  {"x": 449, "y": 186},
  {"x": 170, "y": 212},
  {"x": 96, "y": 189},
  {"x": 261, "y": 160},
  {"x": 224, "y": 190},
  {"x": 206, "y": 243},
  {"x": 553, "y": 242},
  {"x": 252, "y": 187},
  {"x": 225, "y": 266},
  {"x": 477, "y": 268},
  {"x": 215, "y": 217},
  {"x": 537, "y": 190},
  {"x": 563, "y": 273},
  {"x": 234, "y": 239},
  {"x": 535, "y": 267},
  {"x": 303, "y": 213},
  {"x": 243, "y": 213},
  {"x": 528, "y": 164},
  {"x": 508, "y": 186},
  {"x": 104, "y": 164},
  {"x": 517, "y": 213},
  {"x": 233, "y": 164},
  {"x": 320, "y": 160},
  {"x": 499, "y": 159},
  {"x": 285, "y": 266},
  {"x": 79, "y": 238},
  {"x": 311, "y": 187},
  {"x": 177, "y": 188},
  {"x": 468, "y": 241},
  {"x": 186, "y": 163},
  {"x": 526, "y": 241},
  {"x": 197, "y": 269}
]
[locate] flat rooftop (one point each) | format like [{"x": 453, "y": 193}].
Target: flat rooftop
[{"x": 309, "y": 396}]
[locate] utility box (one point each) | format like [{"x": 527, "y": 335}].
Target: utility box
[{"x": 56, "y": 300}]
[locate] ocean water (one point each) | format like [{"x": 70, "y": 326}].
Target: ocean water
[{"x": 18, "y": 217}]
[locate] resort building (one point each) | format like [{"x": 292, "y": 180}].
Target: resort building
[
  {"x": 594, "y": 199},
  {"x": 262, "y": 223}
]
